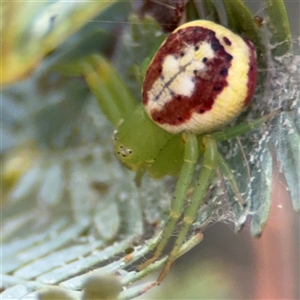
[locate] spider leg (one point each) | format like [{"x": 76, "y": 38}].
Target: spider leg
[
  {"x": 183, "y": 183},
  {"x": 243, "y": 127},
  {"x": 212, "y": 159},
  {"x": 208, "y": 169},
  {"x": 227, "y": 173},
  {"x": 235, "y": 132}
]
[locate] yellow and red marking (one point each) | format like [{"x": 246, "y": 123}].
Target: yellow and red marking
[{"x": 201, "y": 78}]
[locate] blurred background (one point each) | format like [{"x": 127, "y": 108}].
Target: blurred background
[{"x": 224, "y": 265}]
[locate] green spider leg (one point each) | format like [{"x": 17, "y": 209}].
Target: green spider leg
[
  {"x": 212, "y": 160},
  {"x": 183, "y": 184},
  {"x": 209, "y": 166}
]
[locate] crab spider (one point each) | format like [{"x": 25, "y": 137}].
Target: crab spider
[{"x": 201, "y": 78}]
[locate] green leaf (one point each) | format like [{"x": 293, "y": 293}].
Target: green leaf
[
  {"x": 26, "y": 183},
  {"x": 241, "y": 20},
  {"x": 261, "y": 190},
  {"x": 279, "y": 27},
  {"x": 137, "y": 43},
  {"x": 33, "y": 29},
  {"x": 113, "y": 96},
  {"x": 52, "y": 185},
  {"x": 206, "y": 9},
  {"x": 287, "y": 147},
  {"x": 210, "y": 11},
  {"x": 191, "y": 11}
]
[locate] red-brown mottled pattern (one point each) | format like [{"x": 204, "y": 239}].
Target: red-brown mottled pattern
[
  {"x": 252, "y": 73},
  {"x": 227, "y": 41},
  {"x": 208, "y": 84}
]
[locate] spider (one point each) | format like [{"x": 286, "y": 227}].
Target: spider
[{"x": 201, "y": 78}]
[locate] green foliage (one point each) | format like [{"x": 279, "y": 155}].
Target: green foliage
[
  {"x": 107, "y": 89},
  {"x": 240, "y": 19},
  {"x": 69, "y": 209},
  {"x": 287, "y": 147},
  {"x": 32, "y": 30},
  {"x": 279, "y": 26},
  {"x": 135, "y": 49},
  {"x": 211, "y": 11}
]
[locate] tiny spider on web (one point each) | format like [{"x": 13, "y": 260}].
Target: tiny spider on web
[{"x": 201, "y": 78}]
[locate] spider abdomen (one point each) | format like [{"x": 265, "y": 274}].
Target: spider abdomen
[{"x": 200, "y": 79}]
